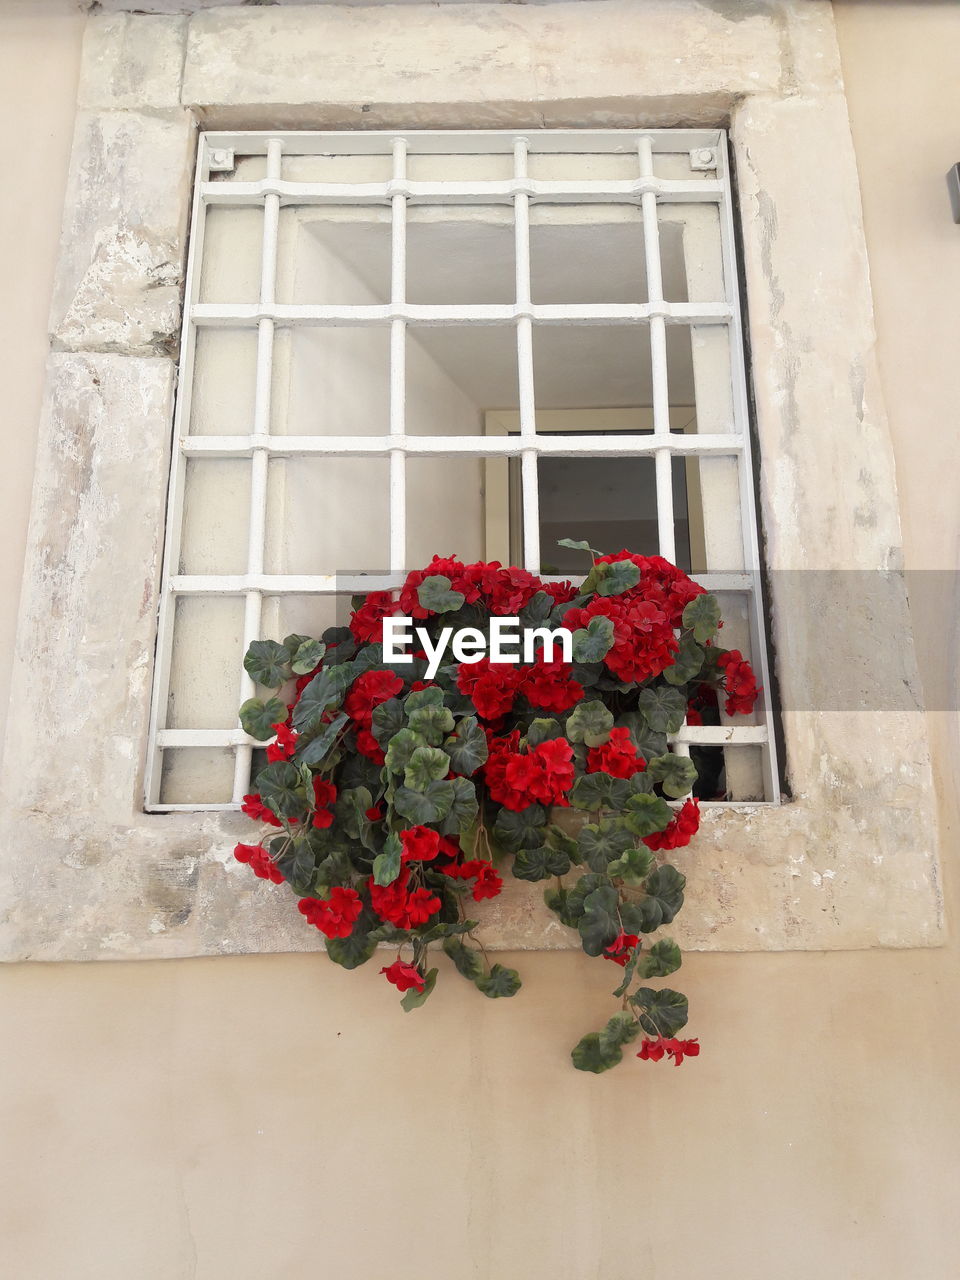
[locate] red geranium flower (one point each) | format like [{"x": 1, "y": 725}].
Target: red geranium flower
[
  {"x": 335, "y": 916},
  {"x": 404, "y": 976},
  {"x": 420, "y": 844},
  {"x": 394, "y": 904},
  {"x": 621, "y": 949},
  {"x": 368, "y": 691},
  {"x": 679, "y": 832},
  {"x": 254, "y": 808},
  {"x": 284, "y": 745},
  {"x": 366, "y": 622},
  {"x": 259, "y": 862},
  {"x": 654, "y": 1050},
  {"x": 739, "y": 682},
  {"x": 618, "y": 756},
  {"x": 324, "y": 794}
]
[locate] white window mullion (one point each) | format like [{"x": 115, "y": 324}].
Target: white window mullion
[
  {"x": 260, "y": 462},
  {"x": 398, "y": 360},
  {"x": 529, "y": 478}
]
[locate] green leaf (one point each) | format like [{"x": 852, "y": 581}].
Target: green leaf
[
  {"x": 666, "y": 885},
  {"x": 602, "y": 791},
  {"x": 464, "y": 809},
  {"x": 543, "y": 729},
  {"x": 618, "y": 577},
  {"x": 426, "y": 765},
  {"x": 266, "y": 663},
  {"x": 499, "y": 982},
  {"x": 557, "y": 901},
  {"x": 307, "y": 656},
  {"x": 601, "y": 843},
  {"x": 646, "y": 814},
  {"x": 644, "y": 916},
  {"x": 632, "y": 867},
  {"x": 326, "y": 689},
  {"x": 600, "y": 923},
  {"x": 630, "y": 967},
  {"x": 600, "y": 1050},
  {"x": 590, "y": 723},
  {"x": 646, "y": 741},
  {"x": 414, "y": 998},
  {"x": 578, "y": 894},
  {"x": 593, "y": 642},
  {"x": 572, "y": 545},
  {"x": 432, "y": 696},
  {"x": 435, "y": 594},
  {"x": 317, "y": 747},
  {"x": 433, "y": 723},
  {"x": 357, "y": 948},
  {"x": 540, "y": 864},
  {"x": 292, "y": 643},
  {"x": 281, "y": 789},
  {"x": 558, "y": 839},
  {"x": 467, "y": 959},
  {"x": 662, "y": 708},
  {"x": 258, "y": 718},
  {"x": 702, "y": 616},
  {"x": 687, "y": 662},
  {"x": 662, "y": 959},
  {"x": 467, "y": 747},
  {"x": 663, "y": 1012},
  {"x": 401, "y": 747},
  {"x": 425, "y": 807},
  {"x": 590, "y": 1055},
  {"x": 386, "y": 865},
  {"x": 387, "y": 721},
  {"x": 537, "y": 609},
  {"x": 675, "y": 774},
  {"x": 522, "y": 830}
]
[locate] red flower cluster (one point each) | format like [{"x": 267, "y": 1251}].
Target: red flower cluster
[
  {"x": 621, "y": 948},
  {"x": 679, "y": 832},
  {"x": 419, "y": 844},
  {"x": 618, "y": 756},
  {"x": 284, "y": 745},
  {"x": 259, "y": 861},
  {"x": 401, "y": 907},
  {"x": 488, "y": 883},
  {"x": 739, "y": 682},
  {"x": 368, "y": 691},
  {"x": 543, "y": 775},
  {"x": 502, "y": 591},
  {"x": 366, "y": 623},
  {"x": 324, "y": 794},
  {"x": 653, "y": 1050},
  {"x": 404, "y": 976},
  {"x": 493, "y": 687},
  {"x": 643, "y": 639},
  {"x": 254, "y": 808},
  {"x": 335, "y": 916}
]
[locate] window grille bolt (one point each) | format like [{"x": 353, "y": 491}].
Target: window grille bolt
[
  {"x": 221, "y": 160},
  {"x": 703, "y": 158}
]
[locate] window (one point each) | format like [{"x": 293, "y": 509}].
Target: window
[{"x": 474, "y": 342}]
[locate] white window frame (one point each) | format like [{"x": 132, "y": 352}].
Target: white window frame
[{"x": 709, "y": 183}]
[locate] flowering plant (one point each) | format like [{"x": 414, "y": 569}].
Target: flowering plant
[{"x": 394, "y": 803}]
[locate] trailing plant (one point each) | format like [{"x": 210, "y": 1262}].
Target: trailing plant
[{"x": 394, "y": 804}]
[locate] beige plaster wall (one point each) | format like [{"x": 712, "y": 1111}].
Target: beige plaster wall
[{"x": 239, "y": 1119}]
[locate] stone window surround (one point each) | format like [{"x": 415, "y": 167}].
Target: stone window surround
[{"x": 850, "y": 861}]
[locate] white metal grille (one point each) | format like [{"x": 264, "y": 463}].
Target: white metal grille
[{"x": 698, "y": 176}]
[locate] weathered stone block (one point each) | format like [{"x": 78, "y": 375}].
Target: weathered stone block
[
  {"x": 121, "y": 265},
  {"x": 131, "y": 61},
  {"x": 609, "y": 50}
]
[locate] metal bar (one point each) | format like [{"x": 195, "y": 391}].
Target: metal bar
[
  {"x": 529, "y": 479},
  {"x": 465, "y": 142},
  {"x": 361, "y": 194},
  {"x": 253, "y": 608},
  {"x": 514, "y": 444},
  {"x": 748, "y": 518},
  {"x": 398, "y": 362},
  {"x": 658, "y": 360},
  {"x": 246, "y": 314}
]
